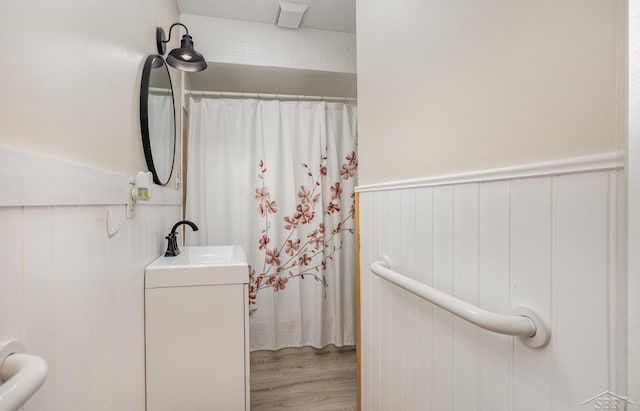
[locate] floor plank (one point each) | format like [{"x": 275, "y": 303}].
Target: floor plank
[{"x": 304, "y": 379}]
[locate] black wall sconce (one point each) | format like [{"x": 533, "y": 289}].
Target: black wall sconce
[{"x": 185, "y": 58}]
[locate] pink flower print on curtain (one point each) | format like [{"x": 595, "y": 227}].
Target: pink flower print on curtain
[{"x": 295, "y": 258}]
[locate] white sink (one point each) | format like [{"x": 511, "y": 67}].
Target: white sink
[
  {"x": 206, "y": 265},
  {"x": 213, "y": 256}
]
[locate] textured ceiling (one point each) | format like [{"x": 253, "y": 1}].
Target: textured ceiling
[{"x": 335, "y": 15}]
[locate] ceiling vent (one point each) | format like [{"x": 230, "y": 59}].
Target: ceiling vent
[{"x": 290, "y": 14}]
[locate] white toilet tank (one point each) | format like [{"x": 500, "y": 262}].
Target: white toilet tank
[{"x": 197, "y": 331}]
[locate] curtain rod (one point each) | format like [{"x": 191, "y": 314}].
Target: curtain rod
[
  {"x": 222, "y": 94},
  {"x": 159, "y": 90}
]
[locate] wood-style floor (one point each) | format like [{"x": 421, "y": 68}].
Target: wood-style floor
[{"x": 304, "y": 379}]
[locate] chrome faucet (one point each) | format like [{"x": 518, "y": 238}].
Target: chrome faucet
[{"x": 172, "y": 247}]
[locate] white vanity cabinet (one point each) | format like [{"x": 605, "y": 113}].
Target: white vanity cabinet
[{"x": 197, "y": 331}]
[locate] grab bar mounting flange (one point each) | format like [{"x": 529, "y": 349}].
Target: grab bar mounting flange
[{"x": 7, "y": 348}]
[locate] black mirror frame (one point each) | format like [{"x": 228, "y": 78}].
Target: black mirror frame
[{"x": 144, "y": 117}]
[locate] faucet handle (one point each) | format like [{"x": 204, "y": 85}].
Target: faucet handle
[{"x": 172, "y": 246}]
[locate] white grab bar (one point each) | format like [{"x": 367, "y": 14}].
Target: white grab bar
[
  {"x": 21, "y": 375},
  {"x": 524, "y": 322}
]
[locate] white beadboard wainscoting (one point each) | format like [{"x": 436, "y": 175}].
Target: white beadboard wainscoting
[
  {"x": 75, "y": 297},
  {"x": 70, "y": 293},
  {"x": 546, "y": 242}
]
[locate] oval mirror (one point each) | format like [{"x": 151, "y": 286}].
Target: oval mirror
[{"x": 157, "y": 119}]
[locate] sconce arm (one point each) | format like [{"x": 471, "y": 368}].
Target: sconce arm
[{"x": 161, "y": 39}]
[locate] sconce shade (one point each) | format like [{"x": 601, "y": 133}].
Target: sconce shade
[{"x": 185, "y": 58}]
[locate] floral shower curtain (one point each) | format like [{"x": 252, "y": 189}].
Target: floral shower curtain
[{"x": 278, "y": 178}]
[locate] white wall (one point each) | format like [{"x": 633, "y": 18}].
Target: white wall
[
  {"x": 71, "y": 86},
  {"x": 449, "y": 86},
  {"x": 253, "y": 57},
  {"x": 71, "y": 294},
  {"x": 547, "y": 243},
  {"x": 634, "y": 200},
  {"x": 262, "y": 44}
]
